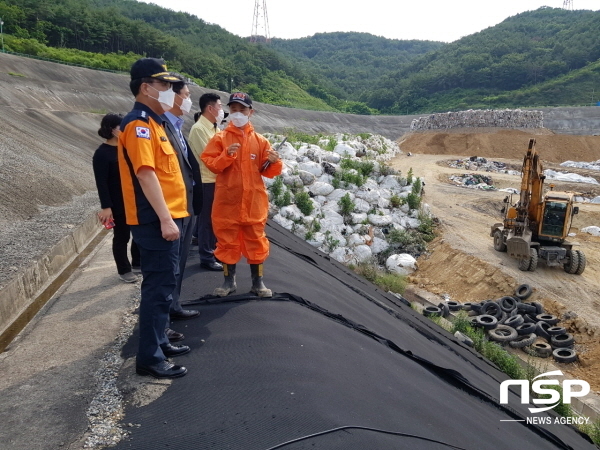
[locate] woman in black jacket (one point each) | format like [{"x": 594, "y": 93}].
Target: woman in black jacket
[{"x": 108, "y": 182}]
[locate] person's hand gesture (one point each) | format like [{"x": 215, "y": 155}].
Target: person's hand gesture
[
  {"x": 232, "y": 149},
  {"x": 272, "y": 156}
]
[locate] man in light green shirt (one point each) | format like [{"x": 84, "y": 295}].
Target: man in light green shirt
[{"x": 211, "y": 114}]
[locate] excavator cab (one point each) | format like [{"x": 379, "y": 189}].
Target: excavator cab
[
  {"x": 556, "y": 217},
  {"x": 554, "y": 221}
]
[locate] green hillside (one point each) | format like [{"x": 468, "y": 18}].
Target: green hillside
[
  {"x": 352, "y": 61},
  {"x": 123, "y": 30},
  {"x": 509, "y": 62},
  {"x": 546, "y": 57}
]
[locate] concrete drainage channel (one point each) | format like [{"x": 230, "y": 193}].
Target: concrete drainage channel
[
  {"x": 24, "y": 296},
  {"x": 429, "y": 304}
]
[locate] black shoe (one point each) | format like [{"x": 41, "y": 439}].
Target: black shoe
[
  {"x": 184, "y": 314},
  {"x": 171, "y": 350},
  {"x": 163, "y": 369},
  {"x": 194, "y": 240},
  {"x": 174, "y": 336},
  {"x": 217, "y": 267}
]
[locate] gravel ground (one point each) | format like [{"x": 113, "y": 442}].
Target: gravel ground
[
  {"x": 106, "y": 410},
  {"x": 24, "y": 241}
]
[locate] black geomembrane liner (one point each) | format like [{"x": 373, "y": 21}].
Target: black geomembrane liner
[{"x": 331, "y": 362}]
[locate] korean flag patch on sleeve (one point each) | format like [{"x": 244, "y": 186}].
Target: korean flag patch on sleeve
[{"x": 142, "y": 132}]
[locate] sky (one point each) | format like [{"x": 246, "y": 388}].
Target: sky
[{"x": 433, "y": 20}]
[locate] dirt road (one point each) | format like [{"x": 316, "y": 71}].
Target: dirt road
[{"x": 462, "y": 262}]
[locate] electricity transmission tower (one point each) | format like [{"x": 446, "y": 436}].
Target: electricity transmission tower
[
  {"x": 260, "y": 23},
  {"x": 568, "y": 4}
]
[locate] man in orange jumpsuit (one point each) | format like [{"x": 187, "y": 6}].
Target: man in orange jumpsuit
[{"x": 240, "y": 158}]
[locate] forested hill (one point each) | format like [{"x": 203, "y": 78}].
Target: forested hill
[
  {"x": 547, "y": 57},
  {"x": 352, "y": 61},
  {"x": 114, "y": 33}
]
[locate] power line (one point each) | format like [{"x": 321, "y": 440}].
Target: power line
[{"x": 260, "y": 23}]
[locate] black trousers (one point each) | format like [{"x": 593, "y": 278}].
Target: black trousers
[
  {"x": 160, "y": 260},
  {"x": 207, "y": 242},
  {"x": 121, "y": 234}
]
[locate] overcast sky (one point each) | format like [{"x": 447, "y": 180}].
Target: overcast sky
[{"x": 434, "y": 20}]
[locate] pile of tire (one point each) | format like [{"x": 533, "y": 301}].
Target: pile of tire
[{"x": 510, "y": 320}]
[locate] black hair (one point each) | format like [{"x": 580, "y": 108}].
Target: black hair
[
  {"x": 178, "y": 86},
  {"x": 135, "y": 85},
  {"x": 207, "y": 99},
  {"x": 108, "y": 124},
  {"x": 197, "y": 115}
]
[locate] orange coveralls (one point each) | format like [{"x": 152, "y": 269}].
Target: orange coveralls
[{"x": 241, "y": 204}]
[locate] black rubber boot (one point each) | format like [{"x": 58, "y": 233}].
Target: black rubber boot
[
  {"x": 229, "y": 285},
  {"x": 258, "y": 287}
]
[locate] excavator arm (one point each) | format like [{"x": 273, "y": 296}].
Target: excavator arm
[
  {"x": 532, "y": 186},
  {"x": 528, "y": 208}
]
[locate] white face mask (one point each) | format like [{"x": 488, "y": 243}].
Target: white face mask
[
  {"x": 165, "y": 98},
  {"x": 239, "y": 119},
  {"x": 220, "y": 116},
  {"x": 186, "y": 105}
]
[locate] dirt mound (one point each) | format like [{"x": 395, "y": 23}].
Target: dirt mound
[{"x": 509, "y": 144}]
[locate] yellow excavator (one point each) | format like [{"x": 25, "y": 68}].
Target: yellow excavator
[{"x": 536, "y": 227}]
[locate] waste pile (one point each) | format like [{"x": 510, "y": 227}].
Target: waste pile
[
  {"x": 568, "y": 177},
  {"x": 502, "y": 118},
  {"x": 477, "y": 163},
  {"x": 482, "y": 164},
  {"x": 594, "y": 165},
  {"x": 473, "y": 181},
  {"x": 512, "y": 321}
]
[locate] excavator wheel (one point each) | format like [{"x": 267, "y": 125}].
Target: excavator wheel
[
  {"x": 529, "y": 264},
  {"x": 533, "y": 260},
  {"x": 499, "y": 244},
  {"x": 582, "y": 262},
  {"x": 524, "y": 264},
  {"x": 573, "y": 265}
]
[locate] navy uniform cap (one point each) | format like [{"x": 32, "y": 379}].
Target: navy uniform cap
[
  {"x": 152, "y": 68},
  {"x": 240, "y": 97}
]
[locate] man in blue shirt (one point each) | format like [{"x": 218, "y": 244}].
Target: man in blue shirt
[{"x": 193, "y": 183}]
